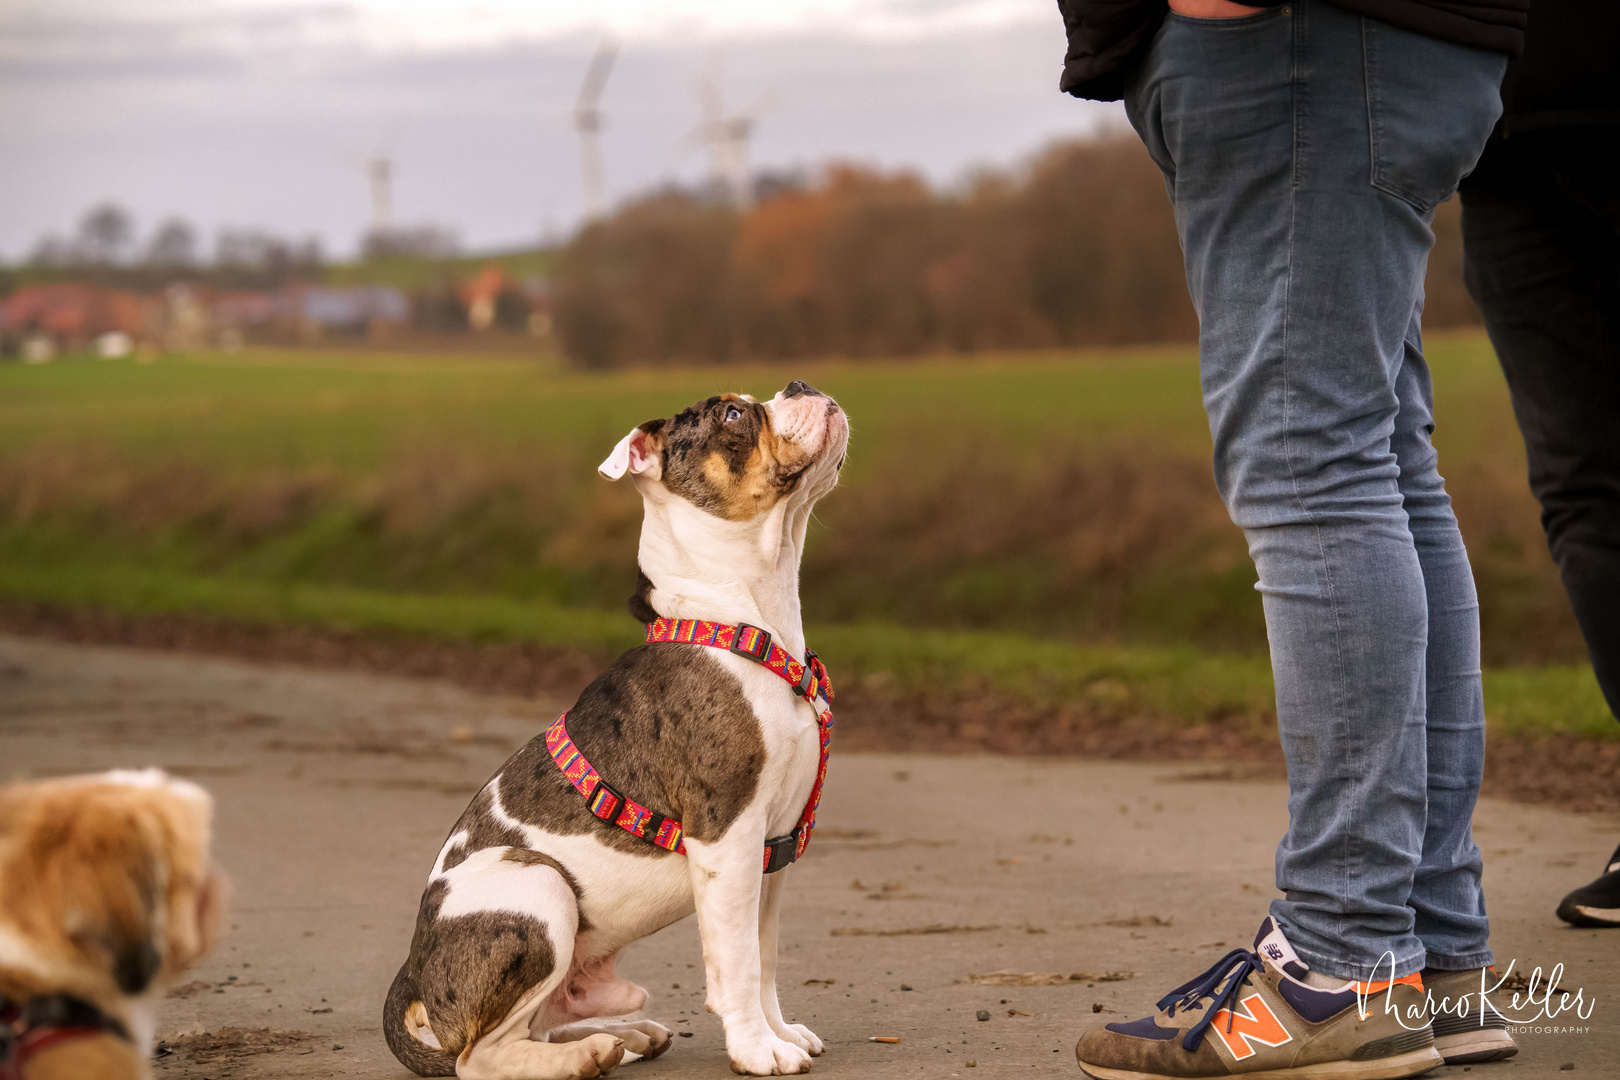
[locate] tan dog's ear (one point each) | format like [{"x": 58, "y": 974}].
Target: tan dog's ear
[
  {"x": 205, "y": 913},
  {"x": 638, "y": 453},
  {"x": 198, "y": 890}
]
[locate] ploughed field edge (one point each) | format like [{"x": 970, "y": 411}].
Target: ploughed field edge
[{"x": 886, "y": 701}]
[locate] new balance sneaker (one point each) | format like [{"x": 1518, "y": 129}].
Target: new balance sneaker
[
  {"x": 1468, "y": 1027},
  {"x": 1254, "y": 1014},
  {"x": 1597, "y": 904}
]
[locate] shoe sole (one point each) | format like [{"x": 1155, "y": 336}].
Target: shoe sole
[
  {"x": 1586, "y": 915},
  {"x": 1415, "y": 1063},
  {"x": 1474, "y": 1047}
]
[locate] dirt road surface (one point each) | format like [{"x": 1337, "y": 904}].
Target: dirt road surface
[{"x": 335, "y": 791}]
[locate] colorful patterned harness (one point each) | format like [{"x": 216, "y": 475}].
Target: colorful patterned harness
[{"x": 808, "y": 680}]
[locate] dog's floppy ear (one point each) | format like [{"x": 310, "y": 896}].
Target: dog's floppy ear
[{"x": 636, "y": 454}]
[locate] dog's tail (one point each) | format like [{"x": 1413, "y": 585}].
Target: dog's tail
[{"x": 403, "y": 1016}]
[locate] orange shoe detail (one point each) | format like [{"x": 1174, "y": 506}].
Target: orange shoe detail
[
  {"x": 1256, "y": 1023},
  {"x": 1414, "y": 979}
]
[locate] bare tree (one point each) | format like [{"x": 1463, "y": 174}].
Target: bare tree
[
  {"x": 421, "y": 241},
  {"x": 173, "y": 246},
  {"x": 52, "y": 252},
  {"x": 249, "y": 257},
  {"x": 105, "y": 234}
]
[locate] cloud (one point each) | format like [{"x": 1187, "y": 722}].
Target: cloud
[
  {"x": 98, "y": 38},
  {"x": 148, "y": 39},
  {"x": 258, "y": 114}
]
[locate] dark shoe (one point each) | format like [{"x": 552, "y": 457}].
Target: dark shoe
[
  {"x": 1468, "y": 1027},
  {"x": 1597, "y": 904},
  {"x": 1252, "y": 1014}
]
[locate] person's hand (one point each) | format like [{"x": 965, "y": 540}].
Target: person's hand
[{"x": 1212, "y": 9}]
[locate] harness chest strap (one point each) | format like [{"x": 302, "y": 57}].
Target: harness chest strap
[{"x": 808, "y": 680}]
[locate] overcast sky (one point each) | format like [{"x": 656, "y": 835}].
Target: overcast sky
[{"x": 260, "y": 113}]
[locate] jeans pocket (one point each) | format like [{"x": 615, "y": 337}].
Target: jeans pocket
[{"x": 1430, "y": 107}]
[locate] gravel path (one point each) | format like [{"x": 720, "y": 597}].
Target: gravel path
[{"x": 336, "y": 789}]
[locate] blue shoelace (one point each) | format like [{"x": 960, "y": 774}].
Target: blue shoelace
[{"x": 1234, "y": 970}]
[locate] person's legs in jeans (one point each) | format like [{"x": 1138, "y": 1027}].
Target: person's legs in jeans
[
  {"x": 1543, "y": 263},
  {"x": 1541, "y": 234},
  {"x": 1449, "y": 910},
  {"x": 1304, "y": 149}
]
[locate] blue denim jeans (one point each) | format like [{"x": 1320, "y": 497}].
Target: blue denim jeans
[{"x": 1304, "y": 149}]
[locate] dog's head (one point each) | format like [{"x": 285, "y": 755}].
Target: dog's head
[
  {"x": 728, "y": 485},
  {"x": 107, "y": 885},
  {"x": 736, "y": 458}
]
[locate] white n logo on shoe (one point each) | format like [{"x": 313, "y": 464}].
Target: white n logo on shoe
[{"x": 1254, "y": 1023}]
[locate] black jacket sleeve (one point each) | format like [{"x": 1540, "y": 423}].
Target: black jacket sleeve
[{"x": 1105, "y": 37}]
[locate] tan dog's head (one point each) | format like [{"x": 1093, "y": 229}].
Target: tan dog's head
[{"x": 107, "y": 885}]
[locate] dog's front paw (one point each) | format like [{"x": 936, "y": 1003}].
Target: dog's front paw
[
  {"x": 800, "y": 1036},
  {"x": 770, "y": 1056},
  {"x": 595, "y": 1056}
]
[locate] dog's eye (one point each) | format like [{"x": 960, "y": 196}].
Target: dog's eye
[{"x": 733, "y": 413}]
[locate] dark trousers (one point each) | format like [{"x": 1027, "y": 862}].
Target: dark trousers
[{"x": 1541, "y": 230}]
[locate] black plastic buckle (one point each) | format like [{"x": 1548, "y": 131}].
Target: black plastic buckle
[
  {"x": 597, "y": 802},
  {"x": 782, "y": 851},
  {"x": 806, "y": 686},
  {"x": 764, "y": 643},
  {"x": 650, "y": 827},
  {"x": 813, "y": 662}
]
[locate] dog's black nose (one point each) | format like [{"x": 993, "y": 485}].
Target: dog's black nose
[
  {"x": 799, "y": 386},
  {"x": 135, "y": 965}
]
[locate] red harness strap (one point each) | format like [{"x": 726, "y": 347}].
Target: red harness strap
[{"x": 809, "y": 680}]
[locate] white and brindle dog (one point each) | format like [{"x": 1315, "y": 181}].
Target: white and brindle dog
[{"x": 510, "y": 973}]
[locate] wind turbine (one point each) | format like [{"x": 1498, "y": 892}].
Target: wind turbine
[
  {"x": 588, "y": 120},
  {"x": 727, "y": 138},
  {"x": 380, "y": 171}
]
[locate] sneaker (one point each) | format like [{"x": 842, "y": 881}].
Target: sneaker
[
  {"x": 1253, "y": 1014},
  {"x": 1480, "y": 1033},
  {"x": 1597, "y": 904}
]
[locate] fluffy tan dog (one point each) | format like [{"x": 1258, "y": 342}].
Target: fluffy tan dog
[{"x": 107, "y": 892}]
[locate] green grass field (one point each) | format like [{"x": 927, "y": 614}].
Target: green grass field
[{"x": 1042, "y": 526}]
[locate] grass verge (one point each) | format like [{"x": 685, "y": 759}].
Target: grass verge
[{"x": 1182, "y": 686}]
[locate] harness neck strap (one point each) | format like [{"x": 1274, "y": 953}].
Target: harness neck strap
[{"x": 808, "y": 679}]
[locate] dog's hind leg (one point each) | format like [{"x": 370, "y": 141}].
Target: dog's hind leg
[
  {"x": 494, "y": 939},
  {"x": 597, "y": 1000},
  {"x": 642, "y": 1039},
  {"x": 508, "y": 1053}
]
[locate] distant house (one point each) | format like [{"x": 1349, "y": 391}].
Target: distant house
[
  {"x": 68, "y": 316},
  {"x": 183, "y": 318},
  {"x": 538, "y": 292},
  {"x": 481, "y": 295},
  {"x": 491, "y": 300},
  {"x": 243, "y": 310},
  {"x": 362, "y": 309}
]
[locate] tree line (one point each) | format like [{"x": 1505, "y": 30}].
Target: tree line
[
  {"x": 1077, "y": 249},
  {"x": 108, "y": 247}
]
